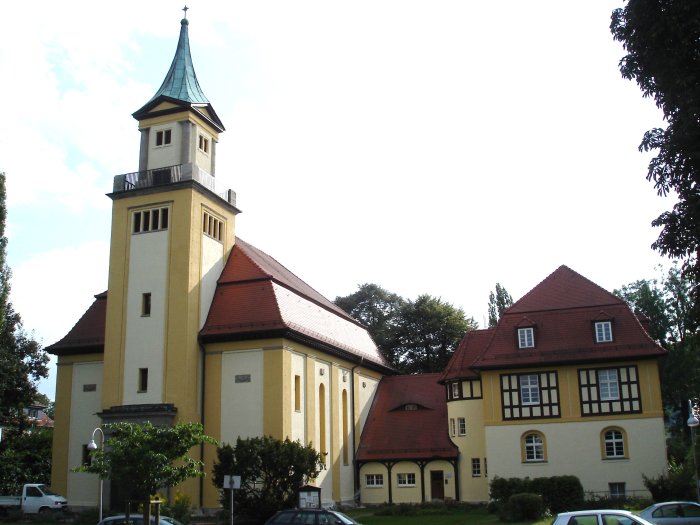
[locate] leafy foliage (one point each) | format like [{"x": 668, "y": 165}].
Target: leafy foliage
[
  {"x": 271, "y": 471},
  {"x": 677, "y": 484},
  {"x": 498, "y": 302},
  {"x": 379, "y": 311},
  {"x": 428, "y": 334},
  {"x": 25, "y": 457},
  {"x": 22, "y": 360},
  {"x": 143, "y": 458},
  {"x": 559, "y": 493},
  {"x": 662, "y": 42},
  {"x": 414, "y": 336}
]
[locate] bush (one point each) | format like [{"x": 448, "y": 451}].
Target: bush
[
  {"x": 678, "y": 484},
  {"x": 525, "y": 506},
  {"x": 559, "y": 493},
  {"x": 179, "y": 508}
]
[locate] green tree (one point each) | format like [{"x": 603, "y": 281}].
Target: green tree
[
  {"x": 143, "y": 458},
  {"x": 498, "y": 302},
  {"x": 646, "y": 299},
  {"x": 22, "y": 360},
  {"x": 428, "y": 334},
  {"x": 662, "y": 42},
  {"x": 25, "y": 457},
  {"x": 271, "y": 472},
  {"x": 379, "y": 311}
]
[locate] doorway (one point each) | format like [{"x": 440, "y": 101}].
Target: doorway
[{"x": 437, "y": 484}]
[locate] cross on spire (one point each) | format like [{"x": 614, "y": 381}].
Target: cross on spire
[{"x": 185, "y": 10}]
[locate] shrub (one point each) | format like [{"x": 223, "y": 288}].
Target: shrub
[
  {"x": 559, "y": 493},
  {"x": 524, "y": 506},
  {"x": 678, "y": 484}
]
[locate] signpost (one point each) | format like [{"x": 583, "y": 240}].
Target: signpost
[{"x": 232, "y": 483}]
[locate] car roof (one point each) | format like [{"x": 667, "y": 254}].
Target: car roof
[{"x": 593, "y": 511}]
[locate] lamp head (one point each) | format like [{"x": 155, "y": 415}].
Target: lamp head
[{"x": 92, "y": 445}]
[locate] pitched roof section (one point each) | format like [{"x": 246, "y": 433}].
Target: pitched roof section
[
  {"x": 470, "y": 348},
  {"x": 562, "y": 309},
  {"x": 392, "y": 432},
  {"x": 181, "y": 86},
  {"x": 563, "y": 288},
  {"x": 181, "y": 82},
  {"x": 258, "y": 297},
  {"x": 88, "y": 334}
]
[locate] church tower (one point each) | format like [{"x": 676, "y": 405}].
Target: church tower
[{"x": 171, "y": 235}]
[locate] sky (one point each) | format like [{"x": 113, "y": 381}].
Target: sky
[{"x": 431, "y": 147}]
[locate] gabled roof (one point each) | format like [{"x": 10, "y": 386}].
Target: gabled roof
[
  {"x": 258, "y": 297},
  {"x": 393, "y": 432},
  {"x": 88, "y": 334},
  {"x": 562, "y": 309},
  {"x": 180, "y": 86},
  {"x": 470, "y": 347}
]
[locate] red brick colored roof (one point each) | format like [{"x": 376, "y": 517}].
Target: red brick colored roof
[
  {"x": 258, "y": 297},
  {"x": 470, "y": 347},
  {"x": 88, "y": 334},
  {"x": 562, "y": 309},
  {"x": 392, "y": 432}
]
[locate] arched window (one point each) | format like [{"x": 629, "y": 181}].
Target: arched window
[
  {"x": 533, "y": 447},
  {"x": 613, "y": 443},
  {"x": 322, "y": 421}
]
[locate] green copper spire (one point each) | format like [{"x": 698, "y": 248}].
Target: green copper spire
[{"x": 181, "y": 81}]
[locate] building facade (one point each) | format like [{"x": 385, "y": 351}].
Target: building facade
[{"x": 198, "y": 325}]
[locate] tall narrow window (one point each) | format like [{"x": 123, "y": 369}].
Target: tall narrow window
[
  {"x": 143, "y": 379},
  {"x": 462, "y": 426},
  {"x": 146, "y": 305},
  {"x": 455, "y": 391},
  {"x": 345, "y": 427},
  {"x": 603, "y": 332},
  {"x": 529, "y": 389},
  {"x": 452, "y": 426},
  {"x": 526, "y": 337},
  {"x": 608, "y": 385},
  {"x": 204, "y": 144},
  {"x": 322, "y": 422},
  {"x": 476, "y": 467},
  {"x": 297, "y": 393}
]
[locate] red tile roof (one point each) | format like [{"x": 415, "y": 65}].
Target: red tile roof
[
  {"x": 255, "y": 297},
  {"x": 88, "y": 334},
  {"x": 392, "y": 432},
  {"x": 258, "y": 297},
  {"x": 562, "y": 309}
]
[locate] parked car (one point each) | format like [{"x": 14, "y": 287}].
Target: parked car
[
  {"x": 599, "y": 517},
  {"x": 137, "y": 519},
  {"x": 310, "y": 517},
  {"x": 673, "y": 513}
]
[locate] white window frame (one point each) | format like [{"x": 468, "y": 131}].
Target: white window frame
[
  {"x": 534, "y": 447},
  {"x": 476, "y": 467},
  {"x": 617, "y": 489},
  {"x": 529, "y": 389},
  {"x": 461, "y": 426},
  {"x": 603, "y": 332},
  {"x": 614, "y": 442},
  {"x": 608, "y": 385},
  {"x": 406, "y": 479},
  {"x": 455, "y": 390},
  {"x": 452, "y": 426},
  {"x": 374, "y": 480},
  {"x": 526, "y": 337}
]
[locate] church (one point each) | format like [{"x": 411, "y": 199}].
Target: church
[{"x": 199, "y": 325}]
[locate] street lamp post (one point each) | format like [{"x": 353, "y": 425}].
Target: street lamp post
[
  {"x": 693, "y": 422},
  {"x": 93, "y": 446}
]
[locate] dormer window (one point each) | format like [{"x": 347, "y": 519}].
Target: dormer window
[
  {"x": 204, "y": 144},
  {"x": 526, "y": 337},
  {"x": 603, "y": 331},
  {"x": 410, "y": 407},
  {"x": 164, "y": 137}
]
